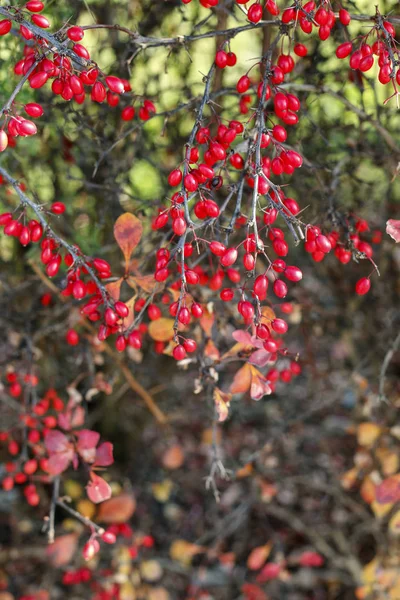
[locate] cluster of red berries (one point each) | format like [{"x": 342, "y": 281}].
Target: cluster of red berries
[{"x": 69, "y": 82}]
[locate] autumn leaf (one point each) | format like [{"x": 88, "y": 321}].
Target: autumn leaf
[
  {"x": 63, "y": 549},
  {"x": 114, "y": 289},
  {"x": 161, "y": 330},
  {"x": 118, "y": 509},
  {"x": 368, "y": 433},
  {"x": 242, "y": 380},
  {"x": 222, "y": 401},
  {"x": 98, "y": 489},
  {"x": 252, "y": 591},
  {"x": 146, "y": 282},
  {"x": 173, "y": 457},
  {"x": 258, "y": 556},
  {"x": 127, "y": 232},
  {"x": 388, "y": 490},
  {"x": 211, "y": 351},
  {"x": 393, "y": 229},
  {"x": 207, "y": 321},
  {"x": 86, "y": 444},
  {"x": 182, "y": 551}
]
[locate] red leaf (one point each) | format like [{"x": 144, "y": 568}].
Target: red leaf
[
  {"x": 98, "y": 489},
  {"x": 86, "y": 446},
  {"x": 104, "y": 455},
  {"x": 393, "y": 229}
]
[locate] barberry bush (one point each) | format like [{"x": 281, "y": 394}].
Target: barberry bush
[{"x": 200, "y": 300}]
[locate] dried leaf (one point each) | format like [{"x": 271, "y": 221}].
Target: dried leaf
[
  {"x": 63, "y": 549},
  {"x": 222, "y": 401},
  {"x": 114, "y": 289},
  {"x": 118, "y": 509},
  {"x": 393, "y": 229},
  {"x": 162, "y": 330},
  {"x": 127, "y": 232}
]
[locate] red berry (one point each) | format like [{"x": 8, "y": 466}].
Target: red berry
[
  {"x": 179, "y": 352},
  {"x": 72, "y": 337},
  {"x": 363, "y": 286}
]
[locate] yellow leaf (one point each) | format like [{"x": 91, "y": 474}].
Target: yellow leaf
[
  {"x": 183, "y": 551},
  {"x": 151, "y": 570},
  {"x": 389, "y": 461},
  {"x": 222, "y": 401},
  {"x": 162, "y": 491},
  {"x": 158, "y": 593},
  {"x": 162, "y": 330},
  {"x": 268, "y": 313},
  {"x": 128, "y": 231},
  {"x": 349, "y": 478},
  {"x": 86, "y": 508},
  {"x": 381, "y": 510},
  {"x": 368, "y": 433}
]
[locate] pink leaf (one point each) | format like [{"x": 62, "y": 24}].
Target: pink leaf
[
  {"x": 59, "y": 462},
  {"x": 242, "y": 337},
  {"x": 260, "y": 358},
  {"x": 393, "y": 229},
  {"x": 98, "y": 489},
  {"x": 56, "y": 441},
  {"x": 104, "y": 455},
  {"x": 86, "y": 446}
]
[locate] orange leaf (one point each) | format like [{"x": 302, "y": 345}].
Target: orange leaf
[
  {"x": 173, "y": 457},
  {"x": 128, "y": 231},
  {"x": 118, "y": 509},
  {"x": 368, "y": 433},
  {"x": 211, "y": 351},
  {"x": 146, "y": 282},
  {"x": 114, "y": 289},
  {"x": 222, "y": 400},
  {"x": 63, "y": 549},
  {"x": 258, "y": 556},
  {"x": 242, "y": 380},
  {"x": 129, "y": 319},
  {"x": 207, "y": 321},
  {"x": 162, "y": 330}
]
